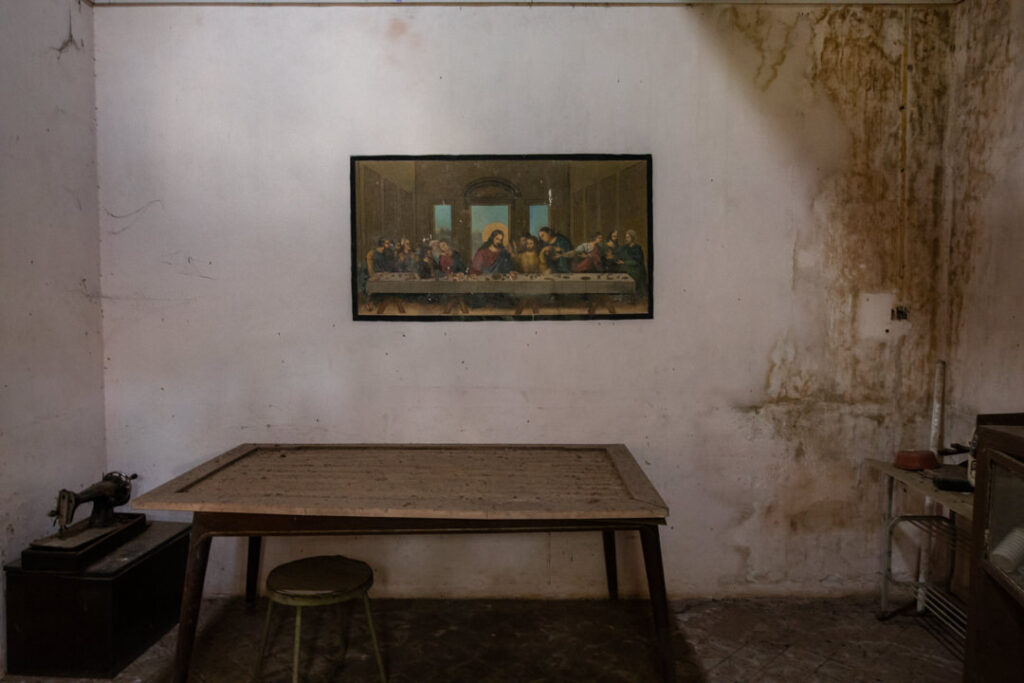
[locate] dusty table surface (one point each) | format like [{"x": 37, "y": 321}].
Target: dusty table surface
[
  {"x": 921, "y": 482},
  {"x": 519, "y": 482}
]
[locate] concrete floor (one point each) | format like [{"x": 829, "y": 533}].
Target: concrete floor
[{"x": 424, "y": 641}]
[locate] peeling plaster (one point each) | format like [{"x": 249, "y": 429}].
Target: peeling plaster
[
  {"x": 986, "y": 61},
  {"x": 833, "y": 395},
  {"x": 985, "y": 243}
]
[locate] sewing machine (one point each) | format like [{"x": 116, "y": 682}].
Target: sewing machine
[
  {"x": 87, "y": 600},
  {"x": 77, "y": 544}
]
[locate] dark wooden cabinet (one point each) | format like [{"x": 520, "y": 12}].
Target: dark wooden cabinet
[
  {"x": 94, "y": 622},
  {"x": 995, "y": 639}
]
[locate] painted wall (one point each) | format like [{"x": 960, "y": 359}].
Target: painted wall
[
  {"x": 51, "y": 386},
  {"x": 986, "y": 280},
  {"x": 801, "y": 191}
]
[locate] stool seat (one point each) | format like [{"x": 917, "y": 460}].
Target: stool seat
[
  {"x": 314, "y": 582},
  {"x": 320, "y": 579}
]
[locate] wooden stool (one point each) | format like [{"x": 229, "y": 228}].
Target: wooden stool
[{"x": 316, "y": 581}]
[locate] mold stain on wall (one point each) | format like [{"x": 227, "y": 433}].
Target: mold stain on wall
[
  {"x": 832, "y": 395},
  {"x": 985, "y": 181},
  {"x": 985, "y": 63}
]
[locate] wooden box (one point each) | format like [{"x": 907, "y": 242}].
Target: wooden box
[
  {"x": 94, "y": 622},
  {"x": 996, "y": 621}
]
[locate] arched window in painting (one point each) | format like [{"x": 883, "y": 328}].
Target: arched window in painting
[{"x": 443, "y": 222}]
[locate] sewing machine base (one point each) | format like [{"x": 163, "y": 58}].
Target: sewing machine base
[
  {"x": 93, "y": 623},
  {"x": 81, "y": 545}
]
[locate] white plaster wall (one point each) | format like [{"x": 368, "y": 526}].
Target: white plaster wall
[
  {"x": 988, "y": 328},
  {"x": 51, "y": 382},
  {"x": 224, "y": 139}
]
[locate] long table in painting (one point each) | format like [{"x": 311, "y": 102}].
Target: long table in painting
[
  {"x": 525, "y": 288},
  {"x": 258, "y": 490}
]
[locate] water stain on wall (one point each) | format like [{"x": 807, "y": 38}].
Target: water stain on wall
[
  {"x": 832, "y": 396},
  {"x": 984, "y": 66}
]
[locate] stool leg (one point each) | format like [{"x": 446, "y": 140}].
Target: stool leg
[
  {"x": 373, "y": 636},
  {"x": 263, "y": 642},
  {"x": 298, "y": 634},
  {"x": 343, "y": 628}
]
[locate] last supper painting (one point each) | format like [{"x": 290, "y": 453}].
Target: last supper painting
[{"x": 528, "y": 237}]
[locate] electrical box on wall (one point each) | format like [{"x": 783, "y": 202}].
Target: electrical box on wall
[{"x": 880, "y": 316}]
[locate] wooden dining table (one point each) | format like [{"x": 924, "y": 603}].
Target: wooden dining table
[{"x": 257, "y": 490}]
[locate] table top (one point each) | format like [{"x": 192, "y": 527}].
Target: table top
[
  {"x": 921, "y": 482},
  {"x": 528, "y": 284},
  {"x": 485, "y": 481}
]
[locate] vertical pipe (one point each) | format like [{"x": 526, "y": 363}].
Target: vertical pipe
[
  {"x": 887, "y": 552},
  {"x": 938, "y": 400},
  {"x": 934, "y": 443},
  {"x": 904, "y": 185}
]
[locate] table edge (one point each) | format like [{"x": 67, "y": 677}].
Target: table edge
[{"x": 646, "y": 500}]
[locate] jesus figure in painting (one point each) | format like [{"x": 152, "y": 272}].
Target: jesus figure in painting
[{"x": 491, "y": 257}]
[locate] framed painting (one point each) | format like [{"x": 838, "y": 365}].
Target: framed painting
[{"x": 527, "y": 237}]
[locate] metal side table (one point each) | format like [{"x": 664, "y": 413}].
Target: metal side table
[{"x": 938, "y": 525}]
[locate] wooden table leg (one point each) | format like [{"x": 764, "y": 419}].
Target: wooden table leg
[
  {"x": 453, "y": 301},
  {"x": 397, "y": 301},
  {"x": 596, "y": 300},
  {"x": 252, "y": 570},
  {"x": 195, "y": 574},
  {"x": 523, "y": 302},
  {"x": 659, "y": 599},
  {"x": 611, "y": 568}
]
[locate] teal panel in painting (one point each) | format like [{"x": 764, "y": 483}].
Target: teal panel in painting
[
  {"x": 538, "y": 217},
  {"x": 442, "y": 217},
  {"x": 443, "y": 221}
]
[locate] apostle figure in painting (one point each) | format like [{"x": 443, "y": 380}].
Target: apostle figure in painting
[
  {"x": 612, "y": 253},
  {"x": 491, "y": 257},
  {"x": 405, "y": 257},
  {"x": 555, "y": 251},
  {"x": 528, "y": 258},
  {"x": 379, "y": 258},
  {"x": 589, "y": 256},
  {"x": 634, "y": 264},
  {"x": 426, "y": 267},
  {"x": 450, "y": 261}
]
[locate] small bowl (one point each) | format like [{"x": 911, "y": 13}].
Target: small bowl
[{"x": 916, "y": 460}]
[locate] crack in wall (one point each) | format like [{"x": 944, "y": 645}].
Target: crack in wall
[{"x": 69, "y": 41}]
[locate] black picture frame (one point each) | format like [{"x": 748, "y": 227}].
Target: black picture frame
[{"x": 576, "y": 238}]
